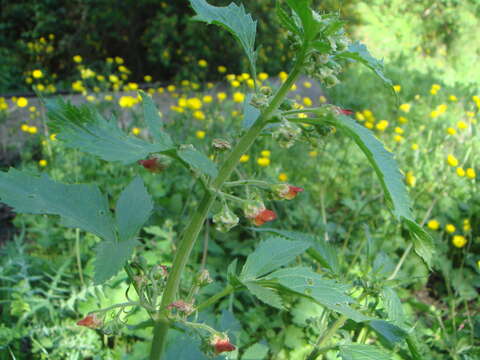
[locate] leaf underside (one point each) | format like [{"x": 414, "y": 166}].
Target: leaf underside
[
  {"x": 234, "y": 19},
  {"x": 391, "y": 179},
  {"x": 83, "y": 128},
  {"x": 80, "y": 206}
]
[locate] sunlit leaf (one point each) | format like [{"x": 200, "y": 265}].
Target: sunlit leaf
[
  {"x": 235, "y": 20},
  {"x": 82, "y": 127},
  {"x": 81, "y": 206},
  {"x": 363, "y": 352}
]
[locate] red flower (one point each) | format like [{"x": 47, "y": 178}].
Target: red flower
[
  {"x": 91, "y": 321},
  {"x": 221, "y": 345},
  {"x": 286, "y": 192},
  {"x": 264, "y": 216},
  {"x": 346, "y": 112},
  {"x": 152, "y": 165}
]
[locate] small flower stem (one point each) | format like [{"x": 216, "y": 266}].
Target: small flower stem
[
  {"x": 195, "y": 224},
  {"x": 248, "y": 182},
  {"x": 212, "y": 300}
]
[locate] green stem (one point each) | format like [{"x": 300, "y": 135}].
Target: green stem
[
  {"x": 212, "y": 300},
  {"x": 193, "y": 228}
]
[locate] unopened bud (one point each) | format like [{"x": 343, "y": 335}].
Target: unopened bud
[
  {"x": 221, "y": 145},
  {"x": 225, "y": 220},
  {"x": 153, "y": 165},
  {"x": 258, "y": 214},
  {"x": 221, "y": 344},
  {"x": 91, "y": 321},
  {"x": 286, "y": 191},
  {"x": 181, "y": 306},
  {"x": 286, "y": 134},
  {"x": 204, "y": 278}
]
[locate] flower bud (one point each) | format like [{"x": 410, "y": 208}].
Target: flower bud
[
  {"x": 204, "y": 278},
  {"x": 258, "y": 214},
  {"x": 221, "y": 344},
  {"x": 221, "y": 145},
  {"x": 286, "y": 134},
  {"x": 225, "y": 220},
  {"x": 91, "y": 321},
  {"x": 153, "y": 165},
  {"x": 286, "y": 191},
  {"x": 181, "y": 306}
]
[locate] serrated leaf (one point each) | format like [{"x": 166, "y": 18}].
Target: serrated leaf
[
  {"x": 83, "y": 128},
  {"x": 359, "y": 52},
  {"x": 270, "y": 255},
  {"x": 390, "y": 178},
  {"x": 389, "y": 332},
  {"x": 393, "y": 306},
  {"x": 310, "y": 26},
  {"x": 235, "y": 20},
  {"x": 266, "y": 295},
  {"x": 250, "y": 113},
  {"x": 133, "y": 209},
  {"x": 198, "y": 161},
  {"x": 422, "y": 241},
  {"x": 154, "y": 122},
  {"x": 286, "y": 20},
  {"x": 323, "y": 252},
  {"x": 82, "y": 206},
  {"x": 183, "y": 346},
  {"x": 304, "y": 281},
  {"x": 255, "y": 352},
  {"x": 363, "y": 352},
  {"x": 111, "y": 257}
]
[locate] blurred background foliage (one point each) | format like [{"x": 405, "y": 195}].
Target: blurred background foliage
[{"x": 159, "y": 37}]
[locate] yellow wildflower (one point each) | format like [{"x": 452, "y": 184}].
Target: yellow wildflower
[
  {"x": 222, "y": 69},
  {"x": 263, "y": 76},
  {"x": 415, "y": 146},
  {"x": 194, "y": 103},
  {"x": 200, "y": 134},
  {"x": 399, "y": 130},
  {"x": 451, "y": 131},
  {"x": 307, "y": 84},
  {"x": 462, "y": 125},
  {"x": 136, "y": 131},
  {"x": 37, "y": 74},
  {"x": 410, "y": 179},
  {"x": 235, "y": 83},
  {"x": 369, "y": 125},
  {"x": 402, "y": 120},
  {"x": 238, "y": 97},
  {"x": 452, "y": 98},
  {"x": 147, "y": 78},
  {"x": 244, "y": 158},
  {"x": 382, "y": 125},
  {"x": 22, "y": 102},
  {"x": 398, "y": 138},
  {"x": 263, "y": 161},
  {"x": 460, "y": 172},
  {"x": 43, "y": 163},
  {"x": 450, "y": 228},
  {"x": 466, "y": 225},
  {"x": 78, "y": 59},
  {"x": 171, "y": 88},
  {"x": 471, "y": 173},
  {"x": 282, "y": 177},
  {"x": 32, "y": 130},
  {"x": 283, "y": 76},
  {"x": 405, "y": 107},
  {"x": 322, "y": 99},
  {"x": 459, "y": 241},
  {"x": 313, "y": 153},
  {"x": 452, "y": 160},
  {"x": 221, "y": 96},
  {"x": 266, "y": 153},
  {"x": 359, "y": 116},
  {"x": 433, "y": 224},
  {"x": 202, "y": 63},
  {"x": 207, "y": 99},
  {"x": 24, "y": 127},
  {"x": 397, "y": 88},
  {"x": 307, "y": 101},
  {"x": 199, "y": 115}
]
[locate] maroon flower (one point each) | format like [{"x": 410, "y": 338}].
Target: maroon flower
[
  {"x": 264, "y": 216},
  {"x": 152, "y": 165},
  {"x": 221, "y": 345},
  {"x": 91, "y": 321}
]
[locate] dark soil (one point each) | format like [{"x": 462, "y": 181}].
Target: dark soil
[{"x": 7, "y": 229}]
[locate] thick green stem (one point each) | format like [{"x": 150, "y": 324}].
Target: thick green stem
[{"x": 193, "y": 228}]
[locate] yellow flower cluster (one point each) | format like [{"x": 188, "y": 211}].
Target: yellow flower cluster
[{"x": 264, "y": 160}]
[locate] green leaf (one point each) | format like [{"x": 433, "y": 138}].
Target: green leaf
[
  {"x": 250, "y": 112},
  {"x": 264, "y": 294},
  {"x": 302, "y": 280},
  {"x": 362, "y": 352},
  {"x": 154, "y": 122},
  {"x": 183, "y": 346},
  {"x": 133, "y": 209},
  {"x": 320, "y": 250},
  {"x": 286, "y": 20},
  {"x": 388, "y": 331},
  {"x": 235, "y": 20},
  {"x": 422, "y": 241},
  {"x": 390, "y": 178},
  {"x": 111, "y": 257},
  {"x": 310, "y": 26},
  {"x": 270, "y": 255},
  {"x": 79, "y": 206},
  {"x": 198, "y": 161},
  {"x": 83, "y": 128},
  {"x": 255, "y": 352},
  {"x": 359, "y": 52},
  {"x": 393, "y": 306}
]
